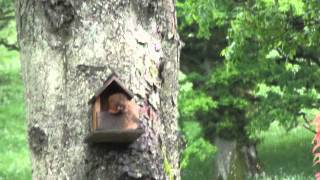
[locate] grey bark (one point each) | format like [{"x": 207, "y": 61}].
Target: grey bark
[
  {"x": 67, "y": 49},
  {"x": 235, "y": 160}
]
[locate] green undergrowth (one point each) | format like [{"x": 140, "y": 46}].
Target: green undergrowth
[
  {"x": 197, "y": 161},
  {"x": 14, "y": 155},
  {"x": 283, "y": 155}
]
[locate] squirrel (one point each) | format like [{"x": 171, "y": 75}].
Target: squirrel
[{"x": 118, "y": 103}]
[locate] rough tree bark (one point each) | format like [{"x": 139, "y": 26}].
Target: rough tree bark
[
  {"x": 235, "y": 160},
  {"x": 68, "y": 49}
]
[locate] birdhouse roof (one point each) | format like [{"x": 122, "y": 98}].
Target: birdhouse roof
[{"x": 112, "y": 85}]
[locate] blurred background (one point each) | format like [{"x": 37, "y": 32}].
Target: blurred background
[{"x": 249, "y": 74}]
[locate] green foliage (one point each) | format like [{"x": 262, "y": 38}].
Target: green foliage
[
  {"x": 192, "y": 101},
  {"x": 205, "y": 13},
  {"x": 197, "y": 159},
  {"x": 9, "y": 33},
  {"x": 7, "y": 25},
  {"x": 259, "y": 63},
  {"x": 265, "y": 64}
]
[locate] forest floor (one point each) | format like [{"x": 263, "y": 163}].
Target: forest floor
[{"x": 285, "y": 156}]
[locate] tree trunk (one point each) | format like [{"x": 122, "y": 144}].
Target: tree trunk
[
  {"x": 68, "y": 49},
  {"x": 235, "y": 160}
]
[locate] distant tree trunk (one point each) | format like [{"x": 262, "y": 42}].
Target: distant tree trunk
[
  {"x": 68, "y": 49},
  {"x": 235, "y": 160}
]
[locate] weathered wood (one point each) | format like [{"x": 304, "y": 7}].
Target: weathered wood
[
  {"x": 115, "y": 136},
  {"x": 96, "y": 108},
  {"x": 112, "y": 85}
]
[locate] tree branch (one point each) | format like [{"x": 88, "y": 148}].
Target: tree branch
[
  {"x": 309, "y": 129},
  {"x": 5, "y": 18},
  {"x": 301, "y": 53},
  {"x": 307, "y": 124},
  {"x": 12, "y": 47}
]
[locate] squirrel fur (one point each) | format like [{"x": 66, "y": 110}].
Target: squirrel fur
[{"x": 118, "y": 103}]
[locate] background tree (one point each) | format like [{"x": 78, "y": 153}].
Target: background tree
[
  {"x": 68, "y": 49},
  {"x": 258, "y": 60}
]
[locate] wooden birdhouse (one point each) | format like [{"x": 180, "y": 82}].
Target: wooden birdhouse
[{"x": 114, "y": 115}]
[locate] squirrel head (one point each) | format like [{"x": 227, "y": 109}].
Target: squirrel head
[{"x": 117, "y": 103}]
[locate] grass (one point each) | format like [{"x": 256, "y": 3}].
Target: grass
[
  {"x": 14, "y": 155},
  {"x": 286, "y": 154}
]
